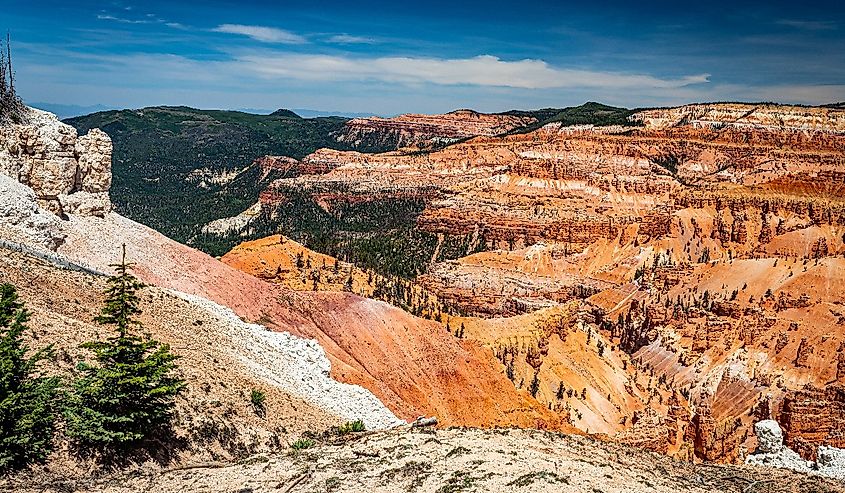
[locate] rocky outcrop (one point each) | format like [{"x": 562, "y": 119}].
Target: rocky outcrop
[
  {"x": 814, "y": 416},
  {"x": 425, "y": 131},
  {"x": 769, "y": 437},
  {"x": 648, "y": 432},
  {"x": 772, "y": 452},
  {"x": 69, "y": 174}
]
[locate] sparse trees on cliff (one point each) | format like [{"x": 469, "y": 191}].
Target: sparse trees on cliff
[
  {"x": 459, "y": 332},
  {"x": 128, "y": 395},
  {"x": 510, "y": 370},
  {"x": 27, "y": 398}
]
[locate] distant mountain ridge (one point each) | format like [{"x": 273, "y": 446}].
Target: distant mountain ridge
[{"x": 178, "y": 168}]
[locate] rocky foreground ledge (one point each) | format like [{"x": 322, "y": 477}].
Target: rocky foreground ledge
[{"x": 451, "y": 460}]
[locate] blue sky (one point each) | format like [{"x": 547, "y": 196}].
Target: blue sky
[{"x": 393, "y": 57}]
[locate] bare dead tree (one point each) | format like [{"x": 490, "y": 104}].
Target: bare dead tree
[
  {"x": 4, "y": 88},
  {"x": 9, "y": 61},
  {"x": 11, "y": 107}
]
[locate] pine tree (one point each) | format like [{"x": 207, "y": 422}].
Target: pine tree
[
  {"x": 128, "y": 395},
  {"x": 27, "y": 412},
  {"x": 535, "y": 384}
]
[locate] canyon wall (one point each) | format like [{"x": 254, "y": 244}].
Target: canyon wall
[
  {"x": 704, "y": 247},
  {"x": 425, "y": 131}
]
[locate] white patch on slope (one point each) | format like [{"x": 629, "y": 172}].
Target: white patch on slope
[
  {"x": 299, "y": 367},
  {"x": 234, "y": 223},
  {"x": 23, "y": 221}
]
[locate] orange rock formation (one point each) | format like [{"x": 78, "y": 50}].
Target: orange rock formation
[{"x": 705, "y": 248}]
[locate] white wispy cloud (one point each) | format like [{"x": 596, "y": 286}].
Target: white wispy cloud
[
  {"x": 350, "y": 39},
  {"x": 384, "y": 85},
  {"x": 262, "y": 33},
  {"x": 148, "y": 18},
  {"x": 109, "y": 17},
  {"x": 808, "y": 25},
  {"x": 482, "y": 70}
]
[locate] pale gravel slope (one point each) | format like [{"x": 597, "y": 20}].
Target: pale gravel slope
[
  {"x": 23, "y": 221},
  {"x": 297, "y": 366}
]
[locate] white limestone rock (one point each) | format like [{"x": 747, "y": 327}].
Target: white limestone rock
[
  {"x": 297, "y": 366},
  {"x": 769, "y": 436},
  {"x": 237, "y": 223},
  {"x": 831, "y": 462},
  {"x": 93, "y": 152},
  {"x": 86, "y": 203},
  {"x": 47, "y": 156},
  {"x": 772, "y": 452},
  {"x": 23, "y": 221}
]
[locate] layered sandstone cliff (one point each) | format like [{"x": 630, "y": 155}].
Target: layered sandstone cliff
[
  {"x": 69, "y": 174},
  {"x": 425, "y": 131},
  {"x": 763, "y": 116}
]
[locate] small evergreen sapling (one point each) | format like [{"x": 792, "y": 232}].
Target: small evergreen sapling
[
  {"x": 258, "y": 399},
  {"x": 128, "y": 394},
  {"x": 27, "y": 413}
]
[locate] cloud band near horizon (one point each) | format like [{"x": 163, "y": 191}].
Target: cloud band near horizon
[{"x": 482, "y": 70}]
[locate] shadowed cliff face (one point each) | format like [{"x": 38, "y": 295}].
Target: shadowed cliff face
[{"x": 701, "y": 256}]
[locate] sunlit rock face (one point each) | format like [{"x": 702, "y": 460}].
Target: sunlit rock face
[
  {"x": 704, "y": 244},
  {"x": 69, "y": 174}
]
